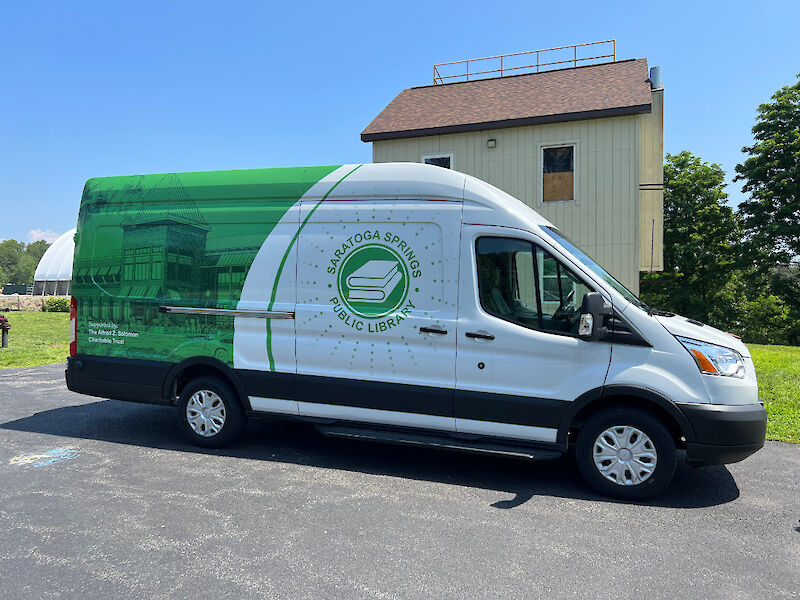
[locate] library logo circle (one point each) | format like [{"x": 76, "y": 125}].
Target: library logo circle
[
  {"x": 373, "y": 273},
  {"x": 373, "y": 281}
]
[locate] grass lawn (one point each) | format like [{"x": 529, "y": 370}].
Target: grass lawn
[
  {"x": 38, "y": 338},
  {"x": 778, "y": 370},
  {"x": 35, "y": 338}
]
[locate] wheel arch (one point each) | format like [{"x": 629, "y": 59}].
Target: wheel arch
[
  {"x": 632, "y": 396},
  {"x": 190, "y": 368}
]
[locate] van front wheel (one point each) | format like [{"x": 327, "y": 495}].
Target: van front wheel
[
  {"x": 626, "y": 453},
  {"x": 209, "y": 413}
]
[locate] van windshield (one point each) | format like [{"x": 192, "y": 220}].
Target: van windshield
[{"x": 594, "y": 267}]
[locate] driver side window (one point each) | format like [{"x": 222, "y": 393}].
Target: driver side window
[{"x": 524, "y": 284}]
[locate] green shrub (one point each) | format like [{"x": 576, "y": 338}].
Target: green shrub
[
  {"x": 56, "y": 305},
  {"x": 766, "y": 321}
]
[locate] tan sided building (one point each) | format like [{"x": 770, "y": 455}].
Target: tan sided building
[{"x": 582, "y": 145}]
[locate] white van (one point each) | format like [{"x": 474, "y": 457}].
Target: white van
[{"x": 396, "y": 302}]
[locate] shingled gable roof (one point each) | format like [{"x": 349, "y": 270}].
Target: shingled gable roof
[{"x": 604, "y": 90}]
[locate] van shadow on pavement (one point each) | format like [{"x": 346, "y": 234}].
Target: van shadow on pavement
[{"x": 299, "y": 443}]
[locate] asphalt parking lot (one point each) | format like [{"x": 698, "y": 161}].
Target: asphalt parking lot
[{"x": 104, "y": 499}]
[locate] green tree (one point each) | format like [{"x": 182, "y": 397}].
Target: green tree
[
  {"x": 37, "y": 249},
  {"x": 25, "y": 268},
  {"x": 771, "y": 175},
  {"x": 754, "y": 313},
  {"x": 18, "y": 261},
  {"x": 701, "y": 234},
  {"x": 10, "y": 251}
]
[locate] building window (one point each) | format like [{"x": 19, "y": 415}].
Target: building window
[
  {"x": 128, "y": 270},
  {"x": 558, "y": 173},
  {"x": 439, "y": 160},
  {"x": 158, "y": 268}
]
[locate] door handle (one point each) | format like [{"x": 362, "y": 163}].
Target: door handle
[
  {"x": 476, "y": 335},
  {"x": 432, "y": 330}
]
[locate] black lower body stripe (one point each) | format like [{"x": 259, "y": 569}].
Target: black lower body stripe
[{"x": 145, "y": 381}]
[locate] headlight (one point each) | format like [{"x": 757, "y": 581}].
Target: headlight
[{"x": 714, "y": 360}]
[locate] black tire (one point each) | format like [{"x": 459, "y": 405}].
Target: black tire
[
  {"x": 662, "y": 440},
  {"x": 234, "y": 418}
]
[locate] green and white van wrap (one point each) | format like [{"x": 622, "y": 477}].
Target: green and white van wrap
[{"x": 357, "y": 276}]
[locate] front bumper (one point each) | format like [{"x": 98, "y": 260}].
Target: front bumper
[{"x": 724, "y": 433}]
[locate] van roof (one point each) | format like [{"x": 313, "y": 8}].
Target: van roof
[{"x": 151, "y": 196}]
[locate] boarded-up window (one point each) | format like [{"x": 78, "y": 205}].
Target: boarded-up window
[
  {"x": 443, "y": 160},
  {"x": 558, "y": 173}
]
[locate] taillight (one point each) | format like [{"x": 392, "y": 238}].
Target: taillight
[{"x": 73, "y": 327}]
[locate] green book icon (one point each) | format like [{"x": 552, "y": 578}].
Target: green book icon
[{"x": 374, "y": 281}]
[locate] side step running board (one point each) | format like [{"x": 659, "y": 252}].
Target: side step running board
[{"x": 437, "y": 441}]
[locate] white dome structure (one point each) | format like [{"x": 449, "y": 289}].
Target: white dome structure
[{"x": 54, "y": 273}]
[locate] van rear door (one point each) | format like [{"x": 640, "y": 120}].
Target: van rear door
[{"x": 520, "y": 362}]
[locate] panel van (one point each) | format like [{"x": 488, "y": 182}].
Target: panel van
[{"x": 397, "y": 302}]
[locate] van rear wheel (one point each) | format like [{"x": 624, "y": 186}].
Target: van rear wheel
[
  {"x": 209, "y": 413},
  {"x": 626, "y": 453}
]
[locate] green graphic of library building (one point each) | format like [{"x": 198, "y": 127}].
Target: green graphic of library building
[{"x": 154, "y": 246}]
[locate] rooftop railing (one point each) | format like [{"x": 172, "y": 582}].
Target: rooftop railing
[{"x": 506, "y": 63}]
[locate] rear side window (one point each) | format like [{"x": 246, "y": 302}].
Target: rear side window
[{"x": 524, "y": 284}]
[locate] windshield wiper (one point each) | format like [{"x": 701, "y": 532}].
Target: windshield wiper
[
  {"x": 655, "y": 311},
  {"x": 643, "y": 306}
]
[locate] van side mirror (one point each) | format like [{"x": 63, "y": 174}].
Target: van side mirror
[{"x": 593, "y": 308}]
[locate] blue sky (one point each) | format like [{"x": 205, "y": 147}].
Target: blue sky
[{"x": 109, "y": 88}]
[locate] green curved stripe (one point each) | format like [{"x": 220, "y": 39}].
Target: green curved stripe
[{"x": 283, "y": 264}]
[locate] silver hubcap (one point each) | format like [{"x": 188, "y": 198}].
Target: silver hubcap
[
  {"x": 206, "y": 413},
  {"x": 625, "y": 455}
]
